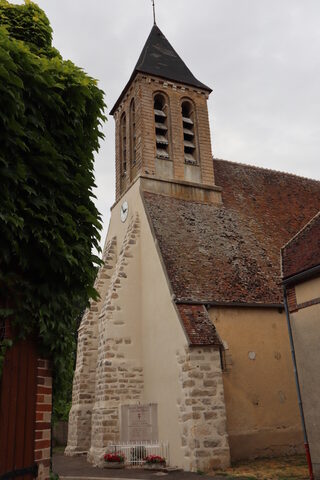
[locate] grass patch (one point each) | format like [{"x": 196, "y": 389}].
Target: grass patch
[{"x": 280, "y": 468}]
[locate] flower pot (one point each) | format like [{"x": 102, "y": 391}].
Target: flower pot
[{"x": 113, "y": 465}]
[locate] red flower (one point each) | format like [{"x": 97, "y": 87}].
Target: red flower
[
  {"x": 155, "y": 459},
  {"x": 114, "y": 457}
]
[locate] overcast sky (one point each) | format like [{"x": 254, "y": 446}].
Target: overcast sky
[{"x": 261, "y": 57}]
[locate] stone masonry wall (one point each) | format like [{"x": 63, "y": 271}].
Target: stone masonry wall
[
  {"x": 83, "y": 394},
  {"x": 202, "y": 410},
  {"x": 119, "y": 374}
]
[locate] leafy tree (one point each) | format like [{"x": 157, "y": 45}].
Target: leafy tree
[{"x": 50, "y": 117}]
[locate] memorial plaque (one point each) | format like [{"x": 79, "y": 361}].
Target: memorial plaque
[{"x": 139, "y": 423}]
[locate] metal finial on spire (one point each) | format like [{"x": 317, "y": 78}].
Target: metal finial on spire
[{"x": 154, "y": 12}]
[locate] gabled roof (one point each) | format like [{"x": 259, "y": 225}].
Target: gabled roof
[
  {"x": 159, "y": 58},
  {"x": 302, "y": 252},
  {"x": 230, "y": 253}
]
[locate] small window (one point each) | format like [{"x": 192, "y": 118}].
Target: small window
[
  {"x": 133, "y": 141},
  {"x": 161, "y": 127},
  {"x": 189, "y": 136},
  {"x": 123, "y": 144}
]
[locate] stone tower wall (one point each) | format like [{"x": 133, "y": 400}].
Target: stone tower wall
[{"x": 142, "y": 90}]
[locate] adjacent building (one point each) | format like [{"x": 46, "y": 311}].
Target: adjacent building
[{"x": 301, "y": 279}]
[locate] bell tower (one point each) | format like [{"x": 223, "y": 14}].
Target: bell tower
[{"x": 162, "y": 124}]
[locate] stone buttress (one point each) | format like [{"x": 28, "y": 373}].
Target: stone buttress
[{"x": 83, "y": 393}]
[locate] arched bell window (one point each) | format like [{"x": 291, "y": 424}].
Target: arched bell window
[
  {"x": 161, "y": 126},
  {"x": 189, "y": 133},
  {"x": 123, "y": 143},
  {"x": 133, "y": 141}
]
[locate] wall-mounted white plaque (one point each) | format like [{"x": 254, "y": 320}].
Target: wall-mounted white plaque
[{"x": 139, "y": 423}]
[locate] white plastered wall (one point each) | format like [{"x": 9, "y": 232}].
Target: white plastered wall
[{"x": 163, "y": 339}]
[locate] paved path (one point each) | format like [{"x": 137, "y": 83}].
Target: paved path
[{"x": 74, "y": 468}]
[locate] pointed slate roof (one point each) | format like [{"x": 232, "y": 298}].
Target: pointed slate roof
[{"x": 159, "y": 58}]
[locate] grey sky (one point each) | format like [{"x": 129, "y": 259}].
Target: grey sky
[{"x": 261, "y": 57}]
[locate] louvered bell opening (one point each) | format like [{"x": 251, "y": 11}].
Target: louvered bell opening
[
  {"x": 188, "y": 133},
  {"x": 161, "y": 126},
  {"x": 189, "y": 158},
  {"x": 187, "y": 120},
  {"x": 159, "y": 113},
  {"x": 162, "y": 140},
  {"x": 188, "y": 144},
  {"x": 162, "y": 153}
]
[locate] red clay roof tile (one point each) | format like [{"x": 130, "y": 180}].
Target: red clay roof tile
[
  {"x": 302, "y": 252},
  {"x": 198, "y": 326},
  {"x": 230, "y": 253}
]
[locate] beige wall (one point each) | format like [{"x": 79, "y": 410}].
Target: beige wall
[
  {"x": 261, "y": 400},
  {"x": 308, "y": 290},
  {"x": 306, "y": 335}
]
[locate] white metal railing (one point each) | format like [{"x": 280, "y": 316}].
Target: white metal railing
[{"x": 136, "y": 452}]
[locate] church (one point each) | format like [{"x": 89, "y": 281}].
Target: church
[{"x": 190, "y": 317}]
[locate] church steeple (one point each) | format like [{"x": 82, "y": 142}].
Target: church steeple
[
  {"x": 159, "y": 58},
  {"x": 162, "y": 125}
]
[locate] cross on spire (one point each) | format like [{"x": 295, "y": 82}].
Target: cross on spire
[{"x": 154, "y": 12}]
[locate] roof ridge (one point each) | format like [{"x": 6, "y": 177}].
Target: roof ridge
[{"x": 256, "y": 167}]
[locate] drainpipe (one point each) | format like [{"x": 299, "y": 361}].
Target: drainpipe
[{"x": 293, "y": 355}]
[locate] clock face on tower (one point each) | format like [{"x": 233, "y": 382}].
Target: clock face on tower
[{"x": 124, "y": 211}]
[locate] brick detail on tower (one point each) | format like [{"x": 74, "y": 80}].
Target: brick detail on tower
[{"x": 142, "y": 91}]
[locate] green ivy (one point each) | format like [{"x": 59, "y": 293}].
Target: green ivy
[
  {"x": 26, "y": 22},
  {"x": 50, "y": 118}
]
